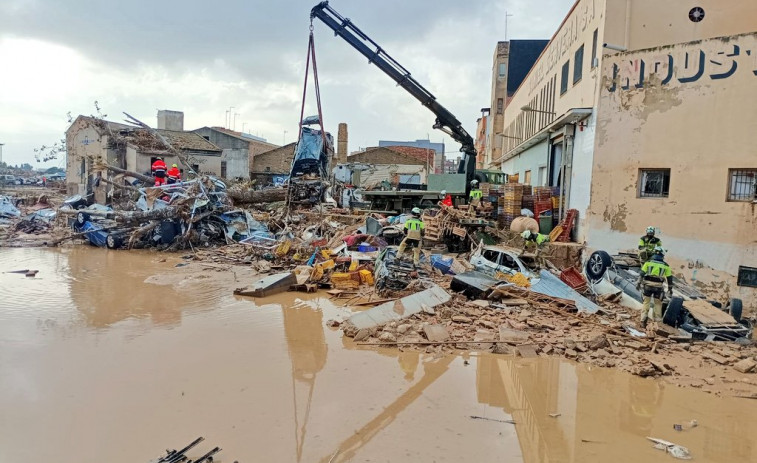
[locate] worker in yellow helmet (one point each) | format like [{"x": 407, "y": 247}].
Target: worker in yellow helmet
[
  {"x": 654, "y": 273},
  {"x": 414, "y": 230},
  {"x": 474, "y": 198}
]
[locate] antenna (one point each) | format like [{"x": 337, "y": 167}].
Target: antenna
[{"x": 507, "y": 15}]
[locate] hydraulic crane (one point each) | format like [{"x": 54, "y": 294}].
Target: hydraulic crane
[{"x": 445, "y": 120}]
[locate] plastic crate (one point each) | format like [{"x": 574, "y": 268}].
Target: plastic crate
[{"x": 574, "y": 279}]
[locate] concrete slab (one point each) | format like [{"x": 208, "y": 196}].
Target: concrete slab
[
  {"x": 507, "y": 334},
  {"x": 400, "y": 309},
  {"x": 436, "y": 333},
  {"x": 267, "y": 286},
  {"x": 550, "y": 285}
]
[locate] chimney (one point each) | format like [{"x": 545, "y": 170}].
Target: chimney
[
  {"x": 170, "y": 120},
  {"x": 341, "y": 144}
]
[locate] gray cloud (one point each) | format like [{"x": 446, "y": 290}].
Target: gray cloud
[{"x": 256, "y": 52}]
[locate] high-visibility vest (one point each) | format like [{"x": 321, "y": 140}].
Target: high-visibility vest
[
  {"x": 414, "y": 227},
  {"x": 655, "y": 272},
  {"x": 158, "y": 165},
  {"x": 476, "y": 194},
  {"x": 649, "y": 243},
  {"x": 541, "y": 239}
]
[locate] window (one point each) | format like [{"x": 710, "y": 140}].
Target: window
[
  {"x": 207, "y": 137},
  {"x": 267, "y": 168},
  {"x": 578, "y": 65},
  {"x": 502, "y": 70},
  {"x": 196, "y": 168},
  {"x": 500, "y": 105},
  {"x": 542, "y": 176},
  {"x": 742, "y": 184},
  {"x": 527, "y": 177},
  {"x": 491, "y": 256},
  {"x": 594, "y": 61},
  {"x": 565, "y": 76},
  {"x": 223, "y": 169},
  {"x": 509, "y": 262},
  {"x": 654, "y": 183}
]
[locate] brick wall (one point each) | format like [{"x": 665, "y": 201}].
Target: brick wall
[
  {"x": 278, "y": 160},
  {"x": 384, "y": 156}
]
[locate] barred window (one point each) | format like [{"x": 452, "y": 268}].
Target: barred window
[
  {"x": 654, "y": 183},
  {"x": 742, "y": 184}
]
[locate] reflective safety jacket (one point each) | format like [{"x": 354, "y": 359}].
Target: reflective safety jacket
[
  {"x": 174, "y": 173},
  {"x": 414, "y": 228},
  {"x": 158, "y": 165},
  {"x": 476, "y": 194},
  {"x": 647, "y": 243},
  {"x": 447, "y": 200},
  {"x": 655, "y": 272}
]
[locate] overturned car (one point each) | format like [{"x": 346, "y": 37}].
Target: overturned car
[{"x": 688, "y": 309}]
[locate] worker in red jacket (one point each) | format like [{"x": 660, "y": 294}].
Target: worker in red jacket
[
  {"x": 159, "y": 172},
  {"x": 174, "y": 174}
]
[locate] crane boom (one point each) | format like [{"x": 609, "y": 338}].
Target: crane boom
[{"x": 445, "y": 120}]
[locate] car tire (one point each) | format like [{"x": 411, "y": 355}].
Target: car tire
[
  {"x": 82, "y": 217},
  {"x": 597, "y": 265},
  {"x": 735, "y": 308},
  {"x": 673, "y": 312},
  {"x": 113, "y": 241}
]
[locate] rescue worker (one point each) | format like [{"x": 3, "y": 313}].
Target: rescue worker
[
  {"x": 474, "y": 198},
  {"x": 174, "y": 175},
  {"x": 653, "y": 274},
  {"x": 159, "y": 172},
  {"x": 414, "y": 230},
  {"x": 447, "y": 198},
  {"x": 647, "y": 243},
  {"x": 536, "y": 238}
]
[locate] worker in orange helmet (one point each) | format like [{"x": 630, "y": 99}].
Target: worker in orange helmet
[
  {"x": 174, "y": 174},
  {"x": 159, "y": 172}
]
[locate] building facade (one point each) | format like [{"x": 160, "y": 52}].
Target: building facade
[
  {"x": 617, "y": 109},
  {"x": 671, "y": 153},
  {"x": 437, "y": 163}
]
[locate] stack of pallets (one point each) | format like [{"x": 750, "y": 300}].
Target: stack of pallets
[
  {"x": 432, "y": 227},
  {"x": 511, "y": 202},
  {"x": 542, "y": 200}
]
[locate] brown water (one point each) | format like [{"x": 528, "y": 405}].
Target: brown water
[{"x": 114, "y": 356}]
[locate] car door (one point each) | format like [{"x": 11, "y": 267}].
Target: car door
[{"x": 489, "y": 260}]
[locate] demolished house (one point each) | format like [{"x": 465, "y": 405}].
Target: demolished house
[{"x": 92, "y": 142}]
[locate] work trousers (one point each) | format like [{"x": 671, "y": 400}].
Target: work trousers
[
  {"x": 416, "y": 245},
  {"x": 652, "y": 300}
]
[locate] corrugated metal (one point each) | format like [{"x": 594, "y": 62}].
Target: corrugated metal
[
  {"x": 402, "y": 308},
  {"x": 550, "y": 285}
]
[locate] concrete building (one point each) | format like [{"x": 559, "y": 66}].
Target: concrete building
[
  {"x": 234, "y": 144},
  {"x": 557, "y": 132},
  {"x": 671, "y": 152},
  {"x": 511, "y": 62},
  {"x": 483, "y": 126},
  {"x": 437, "y": 148}
]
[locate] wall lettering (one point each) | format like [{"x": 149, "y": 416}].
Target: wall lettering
[{"x": 688, "y": 66}]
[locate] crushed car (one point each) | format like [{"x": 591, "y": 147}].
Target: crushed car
[{"x": 688, "y": 309}]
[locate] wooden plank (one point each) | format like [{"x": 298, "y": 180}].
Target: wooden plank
[{"x": 707, "y": 314}]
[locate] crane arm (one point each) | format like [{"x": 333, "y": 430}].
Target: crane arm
[{"x": 445, "y": 120}]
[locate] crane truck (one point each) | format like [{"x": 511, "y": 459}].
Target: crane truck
[{"x": 445, "y": 120}]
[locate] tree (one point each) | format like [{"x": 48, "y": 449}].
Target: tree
[
  {"x": 26, "y": 166},
  {"x": 53, "y": 170}
]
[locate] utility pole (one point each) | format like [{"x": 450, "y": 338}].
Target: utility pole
[
  {"x": 1, "y": 152},
  {"x": 243, "y": 124},
  {"x": 235, "y": 121},
  {"x": 283, "y": 139}
]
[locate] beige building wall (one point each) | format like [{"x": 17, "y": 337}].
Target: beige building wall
[
  {"x": 493, "y": 149},
  {"x": 690, "y": 113}
]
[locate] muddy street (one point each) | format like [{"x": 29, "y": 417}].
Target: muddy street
[{"x": 122, "y": 354}]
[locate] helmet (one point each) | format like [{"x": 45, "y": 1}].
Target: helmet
[
  {"x": 526, "y": 234},
  {"x": 159, "y": 158},
  {"x": 474, "y": 182},
  {"x": 416, "y": 211},
  {"x": 174, "y": 165},
  {"x": 651, "y": 230},
  {"x": 659, "y": 250},
  {"x": 444, "y": 192}
]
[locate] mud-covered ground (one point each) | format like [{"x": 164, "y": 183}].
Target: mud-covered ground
[{"x": 117, "y": 355}]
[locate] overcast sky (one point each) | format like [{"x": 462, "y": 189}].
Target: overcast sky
[{"x": 203, "y": 57}]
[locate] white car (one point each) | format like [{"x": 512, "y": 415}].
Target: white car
[{"x": 497, "y": 259}]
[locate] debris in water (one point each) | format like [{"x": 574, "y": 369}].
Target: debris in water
[
  {"x": 492, "y": 419},
  {"x": 677, "y": 451}
]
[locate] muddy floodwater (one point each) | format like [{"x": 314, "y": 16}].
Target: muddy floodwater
[{"x": 114, "y": 356}]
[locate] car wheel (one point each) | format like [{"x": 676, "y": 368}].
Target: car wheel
[
  {"x": 673, "y": 311},
  {"x": 735, "y": 308},
  {"x": 113, "y": 241},
  {"x": 597, "y": 265},
  {"x": 82, "y": 217}
]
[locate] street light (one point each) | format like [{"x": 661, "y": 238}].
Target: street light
[{"x": 528, "y": 108}]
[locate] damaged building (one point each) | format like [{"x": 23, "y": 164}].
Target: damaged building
[{"x": 93, "y": 142}]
